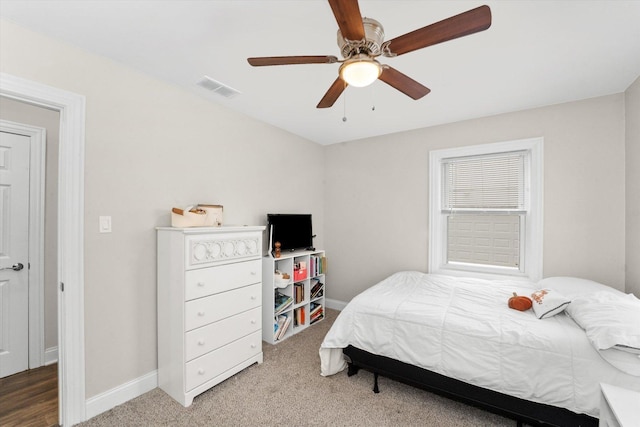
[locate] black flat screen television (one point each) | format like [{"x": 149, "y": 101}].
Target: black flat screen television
[{"x": 293, "y": 231}]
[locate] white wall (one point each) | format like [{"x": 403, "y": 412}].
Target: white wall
[
  {"x": 149, "y": 147},
  {"x": 381, "y": 184},
  {"x": 632, "y": 158}
]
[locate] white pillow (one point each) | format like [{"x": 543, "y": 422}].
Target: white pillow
[
  {"x": 609, "y": 319},
  {"x": 548, "y": 302},
  {"x": 574, "y": 287}
]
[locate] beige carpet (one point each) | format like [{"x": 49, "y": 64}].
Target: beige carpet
[{"x": 287, "y": 389}]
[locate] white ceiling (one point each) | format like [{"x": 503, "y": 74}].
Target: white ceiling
[{"x": 535, "y": 53}]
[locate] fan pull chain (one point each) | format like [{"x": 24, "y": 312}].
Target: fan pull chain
[
  {"x": 373, "y": 97},
  {"x": 344, "y": 106}
]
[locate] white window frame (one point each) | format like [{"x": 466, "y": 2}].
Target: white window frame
[{"x": 531, "y": 244}]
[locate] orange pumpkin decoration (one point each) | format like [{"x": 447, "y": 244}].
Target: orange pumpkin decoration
[{"x": 521, "y": 302}]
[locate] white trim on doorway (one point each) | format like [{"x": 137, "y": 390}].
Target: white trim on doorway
[
  {"x": 37, "y": 153},
  {"x": 71, "y": 364}
]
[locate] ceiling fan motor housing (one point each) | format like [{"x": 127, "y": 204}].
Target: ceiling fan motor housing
[{"x": 372, "y": 43}]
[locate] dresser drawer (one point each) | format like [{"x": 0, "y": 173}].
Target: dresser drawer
[
  {"x": 208, "y": 281},
  {"x": 210, "y": 309},
  {"x": 207, "y": 338},
  {"x": 212, "y": 364}
]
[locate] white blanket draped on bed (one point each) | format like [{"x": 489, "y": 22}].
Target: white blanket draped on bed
[{"x": 463, "y": 328}]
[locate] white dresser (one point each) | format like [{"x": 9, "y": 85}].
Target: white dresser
[{"x": 209, "y": 306}]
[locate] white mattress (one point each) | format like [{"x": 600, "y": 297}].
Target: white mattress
[{"x": 463, "y": 328}]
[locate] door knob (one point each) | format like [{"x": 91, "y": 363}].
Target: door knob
[{"x": 14, "y": 267}]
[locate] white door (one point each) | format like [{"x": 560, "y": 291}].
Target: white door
[{"x": 14, "y": 252}]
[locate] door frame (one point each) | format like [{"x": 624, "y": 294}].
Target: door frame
[
  {"x": 37, "y": 163},
  {"x": 71, "y": 352}
]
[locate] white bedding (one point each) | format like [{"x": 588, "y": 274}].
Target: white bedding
[{"x": 463, "y": 328}]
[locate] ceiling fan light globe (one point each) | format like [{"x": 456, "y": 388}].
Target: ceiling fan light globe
[{"x": 360, "y": 72}]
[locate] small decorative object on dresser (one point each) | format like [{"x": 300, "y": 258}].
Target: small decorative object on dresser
[
  {"x": 209, "y": 306},
  {"x": 293, "y": 297}
]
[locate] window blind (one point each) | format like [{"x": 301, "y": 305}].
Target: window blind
[{"x": 490, "y": 182}]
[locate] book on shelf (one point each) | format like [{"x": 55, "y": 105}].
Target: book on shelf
[
  {"x": 298, "y": 292},
  {"x": 277, "y": 324},
  {"x": 299, "y": 316},
  {"x": 320, "y": 316},
  {"x": 282, "y": 301},
  {"x": 315, "y": 308},
  {"x": 317, "y": 290},
  {"x": 313, "y": 261},
  {"x": 283, "y": 321},
  {"x": 317, "y": 312},
  {"x": 317, "y": 265}
]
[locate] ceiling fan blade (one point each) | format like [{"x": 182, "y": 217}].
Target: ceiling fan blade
[
  {"x": 333, "y": 93},
  {"x": 347, "y": 13},
  {"x": 403, "y": 83},
  {"x": 291, "y": 60},
  {"x": 469, "y": 22}
]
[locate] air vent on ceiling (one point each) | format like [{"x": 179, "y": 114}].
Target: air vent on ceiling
[{"x": 217, "y": 87}]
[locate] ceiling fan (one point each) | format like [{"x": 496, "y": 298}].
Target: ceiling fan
[{"x": 361, "y": 42}]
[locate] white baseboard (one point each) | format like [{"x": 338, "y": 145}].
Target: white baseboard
[
  {"x": 134, "y": 388},
  {"x": 50, "y": 356},
  {"x": 335, "y": 304},
  {"x": 121, "y": 394}
]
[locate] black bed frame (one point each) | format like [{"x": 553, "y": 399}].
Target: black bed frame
[{"x": 523, "y": 411}]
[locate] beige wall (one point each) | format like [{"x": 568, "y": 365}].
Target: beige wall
[
  {"x": 382, "y": 184},
  {"x": 632, "y": 158},
  {"x": 50, "y": 120},
  {"x": 151, "y": 146}
]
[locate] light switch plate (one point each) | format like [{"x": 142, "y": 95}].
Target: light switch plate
[{"x": 105, "y": 224}]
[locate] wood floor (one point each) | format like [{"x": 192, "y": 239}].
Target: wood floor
[{"x": 30, "y": 398}]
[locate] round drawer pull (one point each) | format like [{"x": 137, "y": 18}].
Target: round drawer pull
[
  {"x": 201, "y": 313},
  {"x": 200, "y": 371},
  {"x": 253, "y": 273},
  {"x": 201, "y": 342},
  {"x": 253, "y": 346},
  {"x": 253, "y": 297},
  {"x": 201, "y": 284},
  {"x": 253, "y": 321}
]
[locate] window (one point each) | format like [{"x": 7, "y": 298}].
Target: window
[{"x": 485, "y": 210}]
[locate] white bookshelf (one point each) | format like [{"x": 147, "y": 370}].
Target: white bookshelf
[{"x": 301, "y": 306}]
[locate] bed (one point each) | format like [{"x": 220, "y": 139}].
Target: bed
[{"x": 457, "y": 337}]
